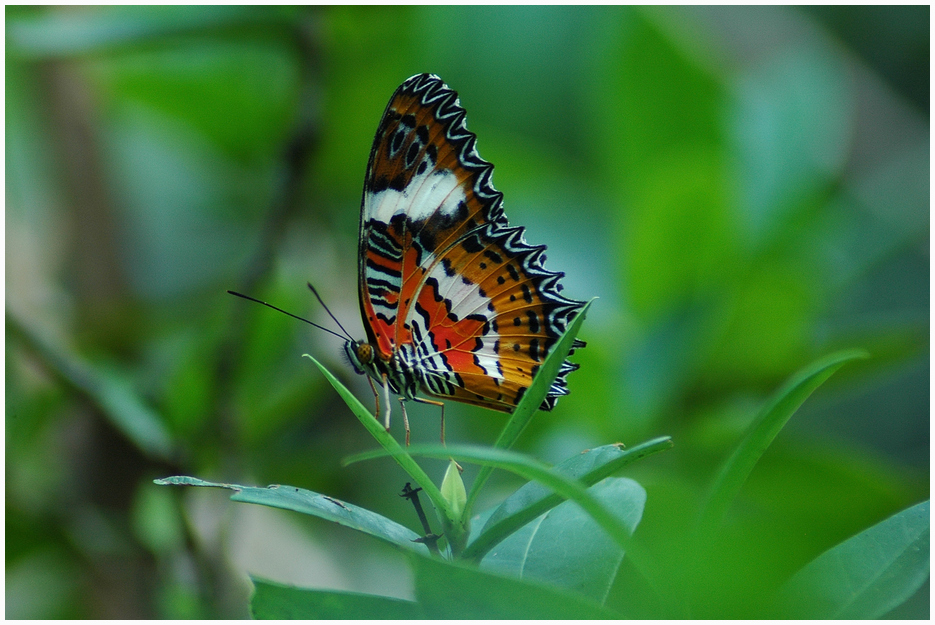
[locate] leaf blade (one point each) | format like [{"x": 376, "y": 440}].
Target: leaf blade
[
  {"x": 271, "y": 600},
  {"x": 531, "y": 401},
  {"x": 533, "y": 499},
  {"x": 761, "y": 433},
  {"x": 449, "y": 590},
  {"x": 108, "y": 388},
  {"x": 394, "y": 449},
  {"x": 865, "y": 576},
  {"x": 566, "y": 537},
  {"x": 531, "y": 469},
  {"x": 314, "y": 504}
]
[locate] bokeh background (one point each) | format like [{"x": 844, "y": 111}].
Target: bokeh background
[{"x": 744, "y": 190}]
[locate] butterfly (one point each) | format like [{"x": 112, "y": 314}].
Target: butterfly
[{"x": 454, "y": 302}]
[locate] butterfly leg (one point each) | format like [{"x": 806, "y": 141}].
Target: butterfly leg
[
  {"x": 376, "y": 398},
  {"x": 386, "y": 398},
  {"x": 402, "y": 404},
  {"x": 434, "y": 403}
]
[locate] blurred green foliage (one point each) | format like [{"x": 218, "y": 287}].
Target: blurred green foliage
[{"x": 745, "y": 190}]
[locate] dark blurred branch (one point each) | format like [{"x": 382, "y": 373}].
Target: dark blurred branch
[
  {"x": 97, "y": 275},
  {"x": 296, "y": 154}
]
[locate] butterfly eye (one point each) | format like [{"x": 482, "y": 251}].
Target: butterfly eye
[{"x": 365, "y": 353}]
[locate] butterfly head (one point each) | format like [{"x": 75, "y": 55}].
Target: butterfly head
[{"x": 360, "y": 355}]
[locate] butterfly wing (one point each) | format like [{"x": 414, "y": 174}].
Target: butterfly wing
[
  {"x": 439, "y": 266},
  {"x": 487, "y": 317},
  {"x": 415, "y": 201}
]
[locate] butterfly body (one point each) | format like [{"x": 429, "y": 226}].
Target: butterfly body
[{"x": 455, "y": 303}]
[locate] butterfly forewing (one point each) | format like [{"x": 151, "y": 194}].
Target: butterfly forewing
[
  {"x": 440, "y": 268},
  {"x": 418, "y": 199}
]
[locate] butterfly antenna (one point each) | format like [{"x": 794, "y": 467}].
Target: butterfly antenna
[
  {"x": 320, "y": 301},
  {"x": 253, "y": 299}
]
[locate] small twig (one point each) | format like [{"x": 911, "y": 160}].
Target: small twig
[{"x": 430, "y": 540}]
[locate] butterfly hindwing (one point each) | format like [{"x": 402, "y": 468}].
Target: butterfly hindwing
[{"x": 441, "y": 270}]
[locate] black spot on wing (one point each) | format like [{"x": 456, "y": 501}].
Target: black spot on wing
[
  {"x": 399, "y": 182},
  {"x": 422, "y": 132},
  {"x": 492, "y": 255},
  {"x": 472, "y": 244},
  {"x": 412, "y": 154}
]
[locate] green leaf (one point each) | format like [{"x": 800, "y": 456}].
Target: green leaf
[
  {"x": 315, "y": 504},
  {"x": 455, "y": 591},
  {"x": 529, "y": 468},
  {"x": 451, "y": 521},
  {"x": 531, "y": 401},
  {"x": 764, "y": 429},
  {"x": 109, "y": 389},
  {"x": 867, "y": 575},
  {"x": 278, "y": 601},
  {"x": 532, "y": 499},
  {"x": 565, "y": 547}
]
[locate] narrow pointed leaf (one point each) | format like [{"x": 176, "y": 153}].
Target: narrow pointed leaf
[
  {"x": 536, "y": 393},
  {"x": 763, "y": 431},
  {"x": 529, "y": 468},
  {"x": 394, "y": 449},
  {"x": 531, "y": 401},
  {"x": 532, "y": 499},
  {"x": 865, "y": 576},
  {"x": 315, "y": 504},
  {"x": 109, "y": 389}
]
